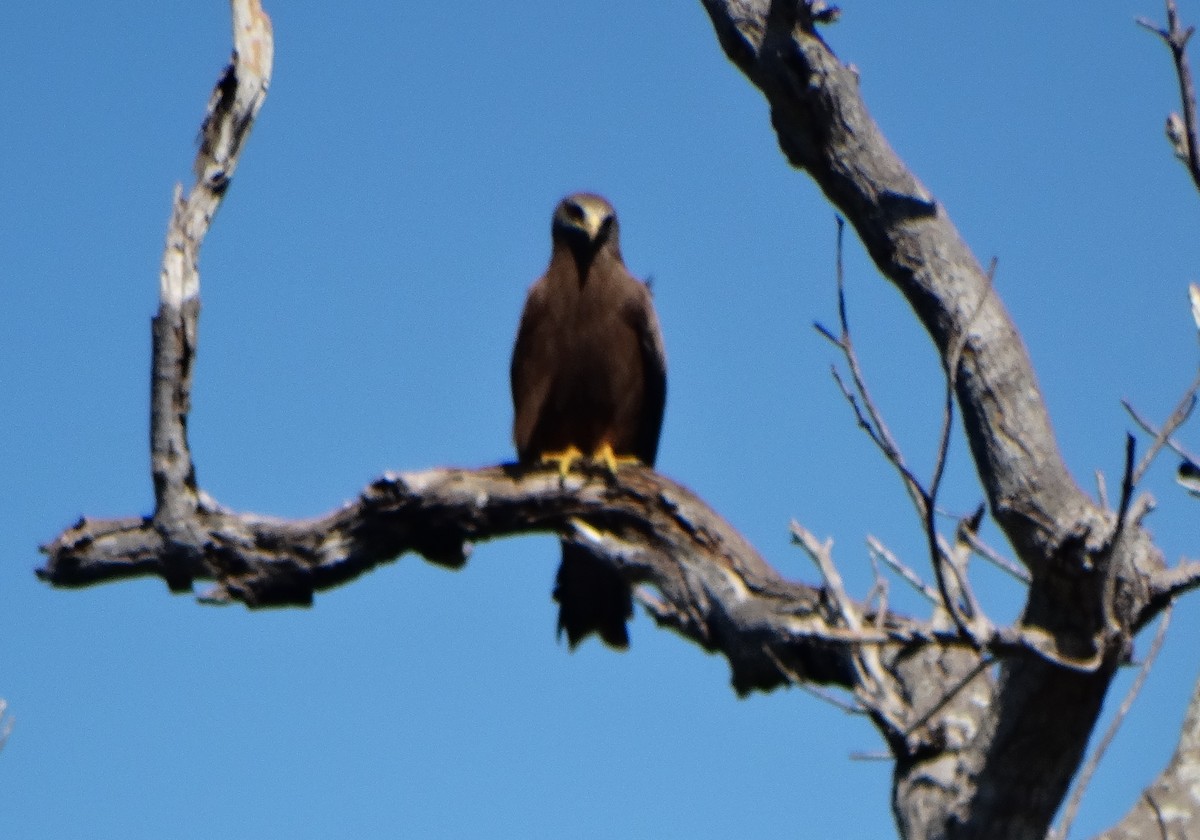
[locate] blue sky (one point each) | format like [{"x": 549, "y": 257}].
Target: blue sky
[{"x": 361, "y": 288}]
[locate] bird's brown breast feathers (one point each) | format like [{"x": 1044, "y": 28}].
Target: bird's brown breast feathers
[{"x": 583, "y": 361}]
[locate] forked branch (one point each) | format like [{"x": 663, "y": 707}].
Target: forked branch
[
  {"x": 1020, "y": 747},
  {"x": 1181, "y": 131}
]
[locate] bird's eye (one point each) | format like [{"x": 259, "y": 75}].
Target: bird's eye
[
  {"x": 573, "y": 211},
  {"x": 605, "y": 227}
]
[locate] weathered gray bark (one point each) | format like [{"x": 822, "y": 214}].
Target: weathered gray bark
[
  {"x": 1092, "y": 576},
  {"x": 976, "y": 755}
]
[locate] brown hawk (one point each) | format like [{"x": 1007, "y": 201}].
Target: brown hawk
[{"x": 589, "y": 379}]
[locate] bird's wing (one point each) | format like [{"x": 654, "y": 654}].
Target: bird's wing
[
  {"x": 639, "y": 313},
  {"x": 531, "y": 371}
]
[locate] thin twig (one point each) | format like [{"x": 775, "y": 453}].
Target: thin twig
[
  {"x": 936, "y": 556},
  {"x": 961, "y": 554},
  {"x": 817, "y": 691},
  {"x": 1093, "y": 762},
  {"x": 841, "y": 275},
  {"x": 1170, "y": 442},
  {"x": 874, "y": 685},
  {"x": 1000, "y": 561},
  {"x": 870, "y": 418},
  {"x": 1109, "y": 557},
  {"x": 882, "y": 440},
  {"x": 833, "y": 700},
  {"x": 821, "y": 554},
  {"x": 878, "y": 594},
  {"x": 878, "y": 549},
  {"x": 1183, "y": 410},
  {"x": 1176, "y": 38},
  {"x": 1127, "y": 484}
]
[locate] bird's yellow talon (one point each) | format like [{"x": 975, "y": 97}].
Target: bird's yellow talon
[
  {"x": 611, "y": 459},
  {"x": 563, "y": 459}
]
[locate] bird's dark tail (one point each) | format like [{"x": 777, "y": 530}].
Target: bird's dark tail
[{"x": 592, "y": 598}]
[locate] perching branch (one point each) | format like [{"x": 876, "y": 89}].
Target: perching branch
[{"x": 714, "y": 587}]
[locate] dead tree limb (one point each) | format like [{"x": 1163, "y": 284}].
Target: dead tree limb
[
  {"x": 232, "y": 108},
  {"x": 1021, "y": 754},
  {"x": 1181, "y": 131}
]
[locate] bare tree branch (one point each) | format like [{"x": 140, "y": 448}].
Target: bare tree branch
[
  {"x": 710, "y": 576},
  {"x": 1042, "y": 713},
  {"x": 995, "y": 558},
  {"x": 235, "y": 102},
  {"x": 870, "y": 418},
  {"x": 1183, "y": 410},
  {"x": 875, "y": 687},
  {"x": 1169, "y": 584},
  {"x": 712, "y": 586},
  {"x": 1176, "y": 38},
  {"x": 901, "y": 568}
]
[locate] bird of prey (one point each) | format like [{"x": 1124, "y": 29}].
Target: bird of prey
[{"x": 589, "y": 380}]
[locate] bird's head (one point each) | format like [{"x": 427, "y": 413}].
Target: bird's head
[{"x": 586, "y": 222}]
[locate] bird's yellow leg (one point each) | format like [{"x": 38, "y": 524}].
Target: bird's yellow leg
[
  {"x": 563, "y": 459},
  {"x": 612, "y": 460}
]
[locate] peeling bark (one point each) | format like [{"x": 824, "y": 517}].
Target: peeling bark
[{"x": 709, "y": 584}]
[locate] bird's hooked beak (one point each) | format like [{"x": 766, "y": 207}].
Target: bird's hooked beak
[{"x": 585, "y": 220}]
